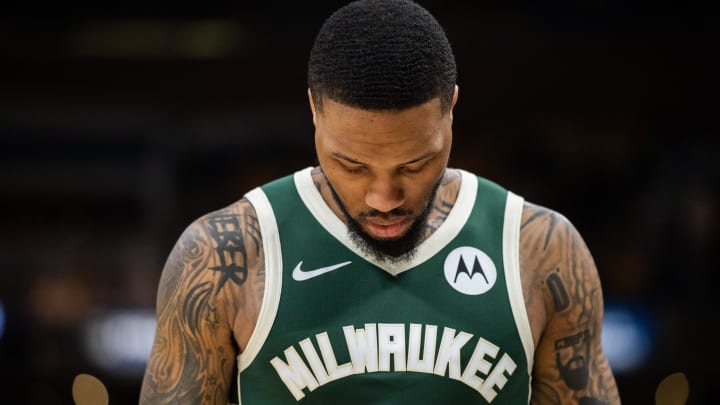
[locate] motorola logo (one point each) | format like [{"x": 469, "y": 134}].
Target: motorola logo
[{"x": 470, "y": 271}]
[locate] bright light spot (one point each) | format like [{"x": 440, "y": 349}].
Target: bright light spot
[
  {"x": 2, "y": 320},
  {"x": 627, "y": 339},
  {"x": 120, "y": 342}
]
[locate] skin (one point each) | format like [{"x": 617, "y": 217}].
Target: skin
[
  {"x": 564, "y": 303},
  {"x": 379, "y": 163}
]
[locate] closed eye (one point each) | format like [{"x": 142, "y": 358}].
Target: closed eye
[
  {"x": 415, "y": 168},
  {"x": 352, "y": 169},
  {"x": 349, "y": 165}
]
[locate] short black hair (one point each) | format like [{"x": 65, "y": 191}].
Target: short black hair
[{"x": 382, "y": 55}]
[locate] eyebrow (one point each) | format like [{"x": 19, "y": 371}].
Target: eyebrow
[{"x": 409, "y": 162}]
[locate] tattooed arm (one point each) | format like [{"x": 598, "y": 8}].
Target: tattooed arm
[
  {"x": 565, "y": 306},
  {"x": 207, "y": 304}
]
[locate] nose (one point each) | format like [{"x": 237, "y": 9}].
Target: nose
[{"x": 384, "y": 194}]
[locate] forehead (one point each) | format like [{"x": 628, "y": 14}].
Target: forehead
[{"x": 341, "y": 125}]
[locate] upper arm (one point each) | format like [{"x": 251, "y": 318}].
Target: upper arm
[
  {"x": 570, "y": 366},
  {"x": 207, "y": 284}
]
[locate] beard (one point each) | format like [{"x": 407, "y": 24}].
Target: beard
[{"x": 394, "y": 250}]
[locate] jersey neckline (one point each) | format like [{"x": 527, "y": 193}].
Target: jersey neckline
[{"x": 446, "y": 232}]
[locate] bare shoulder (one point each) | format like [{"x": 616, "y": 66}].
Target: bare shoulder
[
  {"x": 544, "y": 236},
  {"x": 208, "y": 298},
  {"x": 219, "y": 255},
  {"x": 564, "y": 299},
  {"x": 235, "y": 251}
]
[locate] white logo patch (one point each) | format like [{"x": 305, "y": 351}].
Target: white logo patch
[
  {"x": 470, "y": 270},
  {"x": 301, "y": 275}
]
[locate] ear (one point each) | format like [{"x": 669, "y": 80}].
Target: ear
[
  {"x": 312, "y": 105},
  {"x": 454, "y": 100}
]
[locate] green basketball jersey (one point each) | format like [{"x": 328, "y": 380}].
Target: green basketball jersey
[{"x": 338, "y": 326}]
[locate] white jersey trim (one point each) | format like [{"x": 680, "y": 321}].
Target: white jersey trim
[
  {"x": 273, "y": 278},
  {"x": 447, "y": 231},
  {"x": 511, "y": 258}
]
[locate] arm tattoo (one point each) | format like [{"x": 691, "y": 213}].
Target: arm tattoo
[
  {"x": 558, "y": 292},
  {"x": 193, "y": 355},
  {"x": 253, "y": 230},
  {"x": 189, "y": 252},
  {"x": 553, "y": 221},
  {"x": 230, "y": 249},
  {"x": 572, "y": 354},
  {"x": 570, "y": 366},
  {"x": 533, "y": 217},
  {"x": 196, "y": 302}
]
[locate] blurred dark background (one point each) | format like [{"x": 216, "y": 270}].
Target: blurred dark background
[{"x": 121, "y": 123}]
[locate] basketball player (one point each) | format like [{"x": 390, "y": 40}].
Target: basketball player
[{"x": 381, "y": 275}]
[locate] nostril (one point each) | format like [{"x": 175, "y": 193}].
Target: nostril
[{"x": 383, "y": 202}]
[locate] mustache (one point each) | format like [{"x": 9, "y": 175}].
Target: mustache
[{"x": 394, "y": 213}]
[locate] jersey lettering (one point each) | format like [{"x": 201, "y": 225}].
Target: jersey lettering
[{"x": 383, "y": 347}]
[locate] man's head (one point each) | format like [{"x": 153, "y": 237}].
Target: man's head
[
  {"x": 382, "y": 55},
  {"x": 382, "y": 87}
]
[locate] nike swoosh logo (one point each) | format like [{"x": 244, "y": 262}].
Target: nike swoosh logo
[{"x": 300, "y": 275}]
